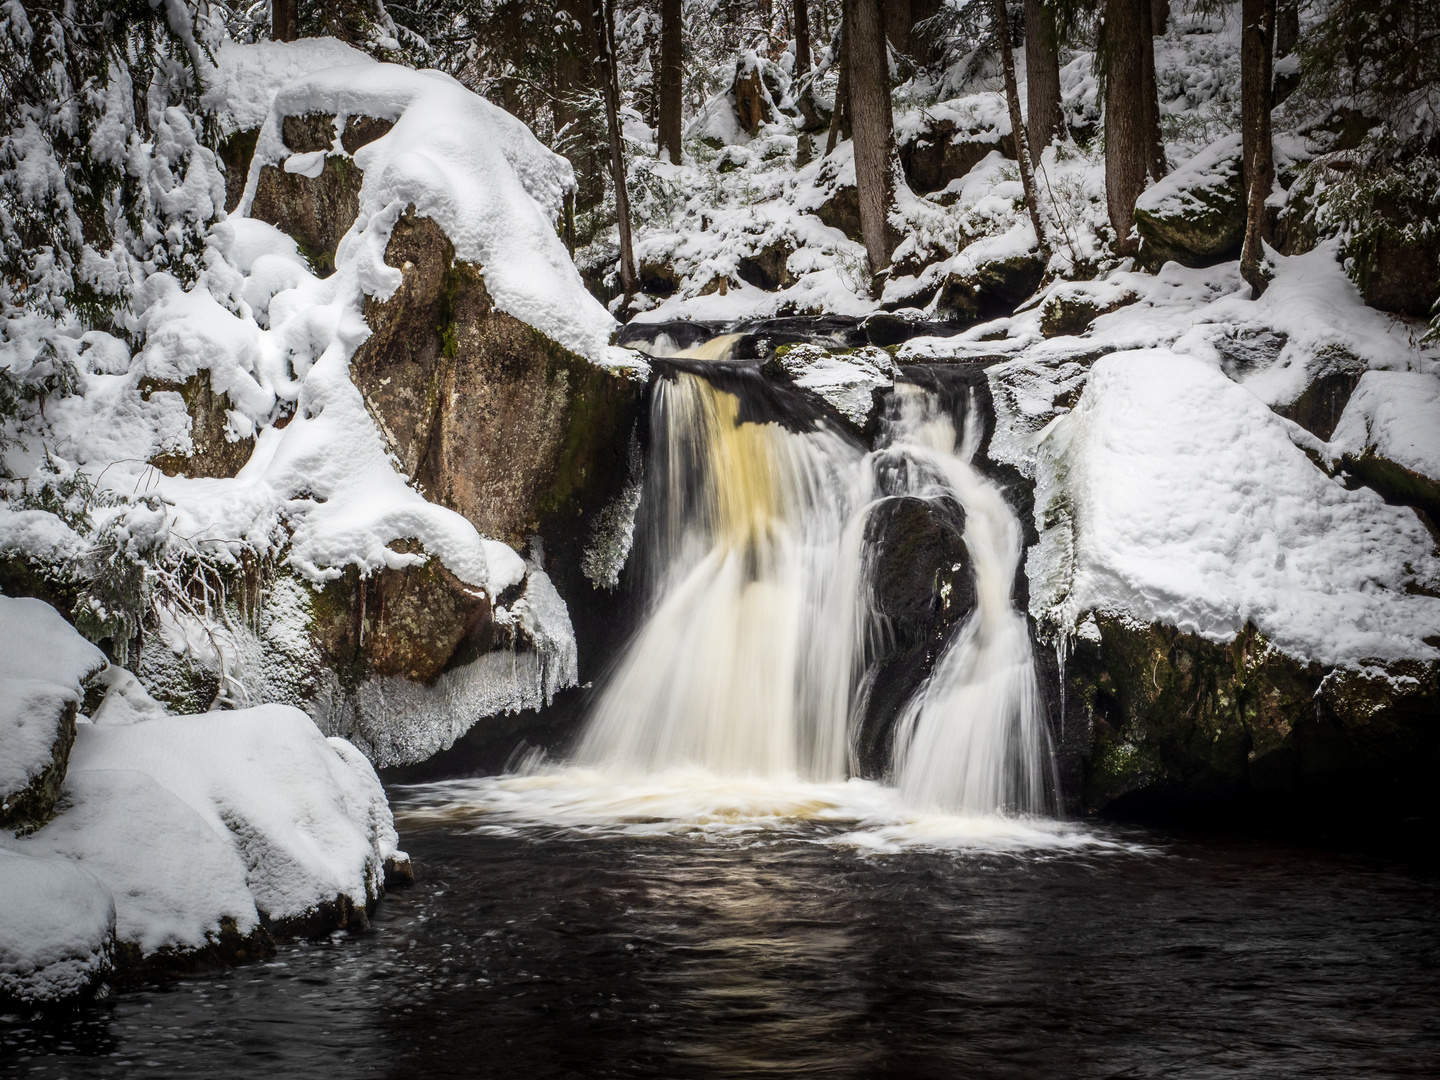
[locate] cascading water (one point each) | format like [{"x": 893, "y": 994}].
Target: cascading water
[{"x": 751, "y": 660}]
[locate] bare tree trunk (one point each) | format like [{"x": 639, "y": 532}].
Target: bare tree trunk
[
  {"x": 1257, "y": 29},
  {"x": 1287, "y": 36},
  {"x": 1125, "y": 115},
  {"x": 802, "y": 39},
  {"x": 1017, "y": 125},
  {"x": 605, "y": 56},
  {"x": 285, "y": 20},
  {"x": 898, "y": 21},
  {"x": 1155, "y": 162},
  {"x": 670, "y": 78},
  {"x": 1159, "y": 16},
  {"x": 872, "y": 126},
  {"x": 842, "y": 91},
  {"x": 1042, "y": 75}
]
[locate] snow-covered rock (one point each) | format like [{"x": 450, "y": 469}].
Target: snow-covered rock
[
  {"x": 43, "y": 663},
  {"x": 847, "y": 381},
  {"x": 1197, "y": 212},
  {"x": 57, "y": 927}
]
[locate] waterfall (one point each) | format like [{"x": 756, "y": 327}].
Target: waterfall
[{"x": 751, "y": 658}]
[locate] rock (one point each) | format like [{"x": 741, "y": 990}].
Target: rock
[
  {"x": 1178, "y": 723},
  {"x": 657, "y": 277},
  {"x": 847, "y": 382},
  {"x": 408, "y": 622},
  {"x": 317, "y": 211},
  {"x": 1196, "y": 215},
  {"x": 236, "y": 152},
  {"x": 214, "y": 451},
  {"x": 767, "y": 268},
  {"x": 841, "y": 210},
  {"x": 1070, "y": 310},
  {"x": 542, "y": 432},
  {"x": 991, "y": 289},
  {"x": 753, "y": 106},
  {"x": 1388, "y": 439},
  {"x": 940, "y": 152},
  {"x": 57, "y": 930},
  {"x": 42, "y": 667},
  {"x": 924, "y": 586},
  {"x": 1402, "y": 275}
]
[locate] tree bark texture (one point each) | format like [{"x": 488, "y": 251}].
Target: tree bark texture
[
  {"x": 872, "y": 126},
  {"x": 1125, "y": 115},
  {"x": 1155, "y": 162},
  {"x": 1159, "y": 16},
  {"x": 605, "y": 57},
  {"x": 802, "y": 39},
  {"x": 671, "y": 50},
  {"x": 1257, "y": 30},
  {"x": 842, "y": 92},
  {"x": 898, "y": 22},
  {"x": 1017, "y": 125},
  {"x": 1042, "y": 75},
  {"x": 285, "y": 20}
]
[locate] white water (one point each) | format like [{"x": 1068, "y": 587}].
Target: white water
[{"x": 740, "y": 693}]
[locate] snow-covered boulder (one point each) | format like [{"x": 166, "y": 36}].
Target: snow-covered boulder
[
  {"x": 939, "y": 144},
  {"x": 846, "y": 381},
  {"x": 57, "y": 928},
  {"x": 1389, "y": 437},
  {"x": 43, "y": 663},
  {"x": 1196, "y": 215}
]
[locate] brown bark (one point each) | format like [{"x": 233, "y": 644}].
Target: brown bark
[
  {"x": 1155, "y": 162},
  {"x": 842, "y": 94},
  {"x": 670, "y": 78},
  {"x": 285, "y": 20},
  {"x": 1042, "y": 75},
  {"x": 1257, "y": 29},
  {"x": 802, "y": 39},
  {"x": 898, "y": 22},
  {"x": 1017, "y": 125},
  {"x": 872, "y": 126},
  {"x": 610, "y": 83},
  {"x": 1125, "y": 116},
  {"x": 1159, "y": 16}
]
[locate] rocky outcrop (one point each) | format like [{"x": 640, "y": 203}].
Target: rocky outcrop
[
  {"x": 316, "y": 208},
  {"x": 768, "y": 267},
  {"x": 1071, "y": 309},
  {"x": 1171, "y": 722},
  {"x": 1196, "y": 215},
  {"x": 991, "y": 289},
  {"x": 939, "y": 152},
  {"x": 214, "y": 451}
]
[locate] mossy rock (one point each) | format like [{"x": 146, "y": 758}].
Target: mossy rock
[
  {"x": 1196, "y": 215},
  {"x": 1179, "y": 724},
  {"x": 992, "y": 290},
  {"x": 213, "y": 453}
]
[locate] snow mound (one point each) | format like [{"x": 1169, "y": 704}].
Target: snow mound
[
  {"x": 1394, "y": 415},
  {"x": 42, "y": 664},
  {"x": 305, "y": 815},
  {"x": 1174, "y": 496},
  {"x": 57, "y": 925},
  {"x": 477, "y": 171},
  {"x": 173, "y": 876},
  {"x": 246, "y": 77}
]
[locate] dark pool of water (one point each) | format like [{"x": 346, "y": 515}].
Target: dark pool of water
[{"x": 541, "y": 954}]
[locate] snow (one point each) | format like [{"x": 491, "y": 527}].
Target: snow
[
  {"x": 304, "y": 815},
  {"x": 1394, "y": 415},
  {"x": 847, "y": 381},
  {"x": 469, "y": 165},
  {"x": 56, "y": 926},
  {"x": 42, "y": 665},
  {"x": 246, "y": 77},
  {"x": 1174, "y": 496},
  {"x": 1177, "y": 195}
]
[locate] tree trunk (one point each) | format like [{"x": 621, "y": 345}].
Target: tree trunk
[
  {"x": 842, "y": 92},
  {"x": 898, "y": 22},
  {"x": 670, "y": 78},
  {"x": 609, "y": 80},
  {"x": 1159, "y": 16},
  {"x": 1042, "y": 75},
  {"x": 1257, "y": 29},
  {"x": 802, "y": 39},
  {"x": 1287, "y": 36},
  {"x": 872, "y": 126},
  {"x": 1155, "y": 162},
  {"x": 285, "y": 20},
  {"x": 1125, "y": 115},
  {"x": 1017, "y": 125}
]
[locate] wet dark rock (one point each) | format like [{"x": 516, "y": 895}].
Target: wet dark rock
[
  {"x": 1178, "y": 724},
  {"x": 683, "y": 334},
  {"x": 1397, "y": 485},
  {"x": 1072, "y": 313},
  {"x": 1319, "y": 408},
  {"x": 213, "y": 453}
]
